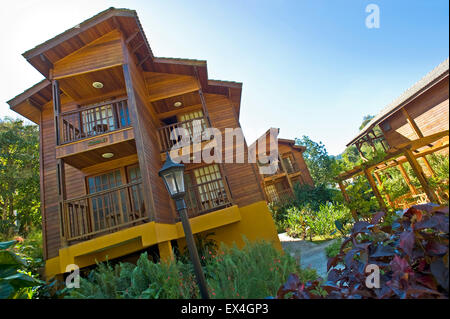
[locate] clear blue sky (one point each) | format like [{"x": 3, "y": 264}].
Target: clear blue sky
[{"x": 309, "y": 67}]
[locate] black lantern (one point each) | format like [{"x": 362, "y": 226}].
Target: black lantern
[{"x": 173, "y": 175}]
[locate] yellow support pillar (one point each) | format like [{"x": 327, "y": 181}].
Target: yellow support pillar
[{"x": 166, "y": 251}]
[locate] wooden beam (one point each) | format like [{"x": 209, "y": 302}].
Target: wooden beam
[
  {"x": 61, "y": 180},
  {"x": 388, "y": 198},
  {"x": 133, "y": 50},
  {"x": 347, "y": 199},
  {"x": 420, "y": 175},
  {"x": 411, "y": 187},
  {"x": 44, "y": 59},
  {"x": 375, "y": 190},
  {"x": 177, "y": 111},
  {"x": 428, "y": 165},
  {"x": 34, "y": 104},
  {"x": 56, "y": 108},
  {"x": 148, "y": 56},
  {"x": 131, "y": 37},
  {"x": 412, "y": 123},
  {"x": 286, "y": 171},
  {"x": 138, "y": 123}
]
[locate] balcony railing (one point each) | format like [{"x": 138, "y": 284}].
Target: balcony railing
[
  {"x": 165, "y": 133},
  {"x": 93, "y": 120},
  {"x": 206, "y": 197},
  {"x": 292, "y": 168},
  {"x": 104, "y": 211},
  {"x": 279, "y": 196}
]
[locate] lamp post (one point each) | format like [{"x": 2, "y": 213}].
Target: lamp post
[{"x": 173, "y": 176}]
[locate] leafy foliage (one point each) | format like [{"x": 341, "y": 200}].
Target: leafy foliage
[
  {"x": 256, "y": 271},
  {"x": 411, "y": 251},
  {"x": 306, "y": 222},
  {"x": 322, "y": 167},
  {"x": 19, "y": 177},
  {"x": 333, "y": 249},
  {"x": 15, "y": 281}
]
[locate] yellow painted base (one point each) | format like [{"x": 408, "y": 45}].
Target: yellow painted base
[{"x": 229, "y": 226}]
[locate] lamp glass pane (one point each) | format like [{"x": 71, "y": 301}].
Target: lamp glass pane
[
  {"x": 179, "y": 176},
  {"x": 170, "y": 183}
]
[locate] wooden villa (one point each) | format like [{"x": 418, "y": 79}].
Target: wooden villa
[
  {"x": 412, "y": 127},
  {"x": 291, "y": 169},
  {"x": 105, "y": 109}
]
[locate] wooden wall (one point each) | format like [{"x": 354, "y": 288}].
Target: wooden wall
[
  {"x": 101, "y": 53},
  {"x": 430, "y": 111},
  {"x": 305, "y": 176},
  {"x": 74, "y": 179},
  {"x": 147, "y": 145},
  {"x": 242, "y": 178}
]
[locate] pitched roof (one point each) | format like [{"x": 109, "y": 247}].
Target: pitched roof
[
  {"x": 437, "y": 74},
  {"x": 45, "y": 54},
  {"x": 280, "y": 140}
]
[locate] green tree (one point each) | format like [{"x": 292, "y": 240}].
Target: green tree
[
  {"x": 19, "y": 177},
  {"x": 323, "y": 167}
]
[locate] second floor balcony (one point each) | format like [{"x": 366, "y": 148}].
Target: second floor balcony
[
  {"x": 170, "y": 135},
  {"x": 93, "y": 120}
]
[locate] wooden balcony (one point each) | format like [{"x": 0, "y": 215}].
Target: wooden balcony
[
  {"x": 279, "y": 196},
  {"x": 207, "y": 197},
  {"x": 102, "y": 212},
  {"x": 93, "y": 120},
  {"x": 164, "y": 133},
  {"x": 293, "y": 168}
]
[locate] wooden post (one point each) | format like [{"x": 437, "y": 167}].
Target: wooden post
[
  {"x": 427, "y": 164},
  {"x": 420, "y": 175},
  {"x": 375, "y": 190},
  {"x": 407, "y": 179},
  {"x": 347, "y": 199},
  {"x": 412, "y": 123},
  {"x": 286, "y": 171},
  {"x": 377, "y": 177},
  {"x": 56, "y": 109},
  {"x": 61, "y": 180}
]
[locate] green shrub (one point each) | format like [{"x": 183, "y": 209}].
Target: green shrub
[
  {"x": 305, "y": 222},
  {"x": 256, "y": 271},
  {"x": 15, "y": 281},
  {"x": 333, "y": 249},
  {"x": 306, "y": 195}
]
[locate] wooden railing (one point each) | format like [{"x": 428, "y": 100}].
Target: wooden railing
[
  {"x": 293, "y": 168},
  {"x": 93, "y": 120},
  {"x": 164, "y": 133},
  {"x": 103, "y": 211},
  {"x": 206, "y": 197},
  {"x": 279, "y": 196}
]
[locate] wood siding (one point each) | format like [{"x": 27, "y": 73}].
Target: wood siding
[
  {"x": 148, "y": 147},
  {"x": 99, "y": 54},
  {"x": 242, "y": 179},
  {"x": 430, "y": 111},
  {"x": 298, "y": 156}
]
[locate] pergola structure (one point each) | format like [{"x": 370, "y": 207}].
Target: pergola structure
[
  {"x": 409, "y": 152},
  {"x": 411, "y": 127}
]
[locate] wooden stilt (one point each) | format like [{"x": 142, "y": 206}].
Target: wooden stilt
[
  {"x": 375, "y": 190},
  {"x": 388, "y": 198},
  {"x": 407, "y": 179},
  {"x": 420, "y": 175},
  {"x": 347, "y": 199}
]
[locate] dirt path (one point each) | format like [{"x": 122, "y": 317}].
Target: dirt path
[{"x": 310, "y": 254}]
